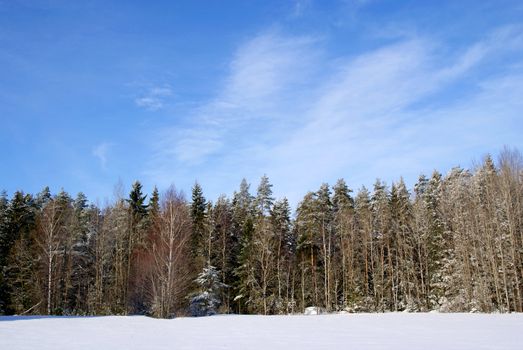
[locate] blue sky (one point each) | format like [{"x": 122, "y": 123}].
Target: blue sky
[{"x": 97, "y": 92}]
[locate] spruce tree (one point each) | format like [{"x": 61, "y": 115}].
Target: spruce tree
[
  {"x": 154, "y": 203},
  {"x": 136, "y": 202},
  {"x": 246, "y": 283},
  {"x": 207, "y": 299},
  {"x": 42, "y": 197},
  {"x": 199, "y": 227},
  {"x": 134, "y": 244},
  {"x": 19, "y": 269},
  {"x": 264, "y": 244},
  {"x": 242, "y": 234}
]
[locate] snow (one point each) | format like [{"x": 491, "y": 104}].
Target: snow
[
  {"x": 314, "y": 310},
  {"x": 344, "y": 331}
]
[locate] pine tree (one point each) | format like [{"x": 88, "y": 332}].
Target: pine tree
[
  {"x": 403, "y": 270},
  {"x": 348, "y": 258},
  {"x": 285, "y": 249},
  {"x": 264, "y": 199},
  {"x": 363, "y": 228},
  {"x": 382, "y": 242},
  {"x": 325, "y": 230},
  {"x": 453, "y": 246},
  {"x": 459, "y": 288},
  {"x": 341, "y": 198},
  {"x": 307, "y": 250}
]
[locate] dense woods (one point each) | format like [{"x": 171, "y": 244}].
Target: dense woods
[{"x": 452, "y": 243}]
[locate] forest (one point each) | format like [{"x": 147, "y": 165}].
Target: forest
[{"x": 452, "y": 243}]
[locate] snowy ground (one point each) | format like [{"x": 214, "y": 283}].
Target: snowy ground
[{"x": 348, "y": 331}]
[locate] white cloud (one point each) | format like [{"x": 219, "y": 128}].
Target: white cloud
[
  {"x": 101, "y": 151},
  {"x": 255, "y": 91},
  {"x": 289, "y": 110},
  {"x": 154, "y": 99}
]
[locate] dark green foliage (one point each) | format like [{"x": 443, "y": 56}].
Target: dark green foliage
[
  {"x": 81, "y": 259},
  {"x": 5, "y": 246},
  {"x": 154, "y": 203},
  {"x": 246, "y": 280},
  {"x": 18, "y": 225},
  {"x": 199, "y": 226},
  {"x": 136, "y": 202},
  {"x": 242, "y": 232},
  {"x": 206, "y": 300},
  {"x": 225, "y": 244},
  {"x": 282, "y": 227}
]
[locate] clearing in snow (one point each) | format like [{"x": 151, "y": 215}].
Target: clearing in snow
[{"x": 344, "y": 331}]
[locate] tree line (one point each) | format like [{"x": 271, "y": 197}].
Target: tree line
[{"x": 452, "y": 243}]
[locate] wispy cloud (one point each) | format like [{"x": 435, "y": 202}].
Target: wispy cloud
[
  {"x": 291, "y": 110},
  {"x": 101, "y": 151},
  {"x": 299, "y": 7},
  {"x": 261, "y": 72},
  {"x": 154, "y": 98}
]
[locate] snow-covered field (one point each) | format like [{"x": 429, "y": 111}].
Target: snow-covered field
[{"x": 347, "y": 331}]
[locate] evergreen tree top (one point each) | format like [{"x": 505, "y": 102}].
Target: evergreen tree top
[
  {"x": 421, "y": 186},
  {"x": 43, "y": 197},
  {"x": 264, "y": 199},
  {"x": 362, "y": 198},
  {"x": 243, "y": 198},
  {"x": 80, "y": 201},
  {"x": 198, "y": 199},
  {"x": 199, "y": 204},
  {"x": 3, "y": 198},
  {"x": 154, "y": 202},
  {"x": 341, "y": 198},
  {"x": 137, "y": 200}
]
